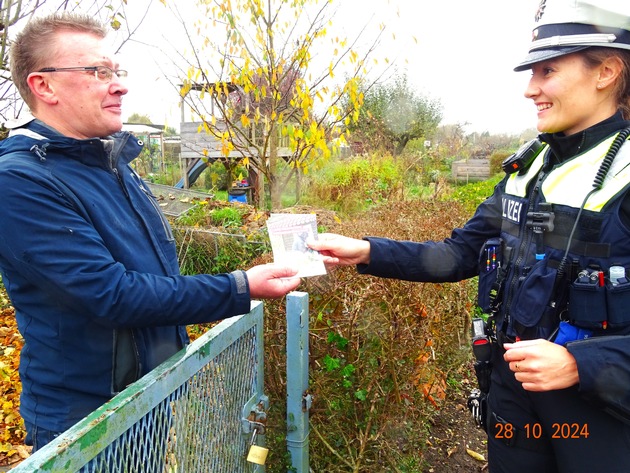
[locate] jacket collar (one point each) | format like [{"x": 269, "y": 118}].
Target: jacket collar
[
  {"x": 118, "y": 149},
  {"x": 564, "y": 147}
]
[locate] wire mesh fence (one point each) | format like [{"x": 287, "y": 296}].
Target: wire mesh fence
[{"x": 191, "y": 414}]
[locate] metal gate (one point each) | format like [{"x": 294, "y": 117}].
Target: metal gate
[{"x": 195, "y": 413}]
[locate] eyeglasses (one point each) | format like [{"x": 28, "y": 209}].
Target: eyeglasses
[{"x": 102, "y": 73}]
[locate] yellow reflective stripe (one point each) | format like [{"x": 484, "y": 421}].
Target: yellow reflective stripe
[
  {"x": 616, "y": 181},
  {"x": 517, "y": 184},
  {"x": 570, "y": 183}
]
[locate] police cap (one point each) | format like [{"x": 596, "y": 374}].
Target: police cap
[{"x": 567, "y": 26}]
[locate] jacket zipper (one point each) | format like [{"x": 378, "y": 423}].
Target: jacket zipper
[
  {"x": 112, "y": 162},
  {"x": 120, "y": 181},
  {"x": 525, "y": 244},
  {"x": 165, "y": 224}
]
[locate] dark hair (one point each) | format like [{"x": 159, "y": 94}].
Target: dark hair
[
  {"x": 595, "y": 56},
  {"x": 36, "y": 44}
]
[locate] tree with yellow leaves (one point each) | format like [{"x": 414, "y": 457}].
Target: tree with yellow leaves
[{"x": 280, "y": 105}]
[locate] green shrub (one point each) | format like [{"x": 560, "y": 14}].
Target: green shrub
[
  {"x": 228, "y": 217},
  {"x": 496, "y": 158},
  {"x": 218, "y": 214},
  {"x": 212, "y": 238},
  {"x": 472, "y": 194},
  {"x": 202, "y": 251},
  {"x": 195, "y": 216},
  {"x": 355, "y": 184}
]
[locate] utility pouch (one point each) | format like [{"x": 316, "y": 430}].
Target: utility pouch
[
  {"x": 490, "y": 265},
  {"x": 534, "y": 294},
  {"x": 618, "y": 303},
  {"x": 587, "y": 300}
]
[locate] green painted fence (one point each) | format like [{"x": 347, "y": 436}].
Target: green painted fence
[{"x": 195, "y": 413}]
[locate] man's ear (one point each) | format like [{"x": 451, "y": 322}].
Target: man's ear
[{"x": 41, "y": 88}]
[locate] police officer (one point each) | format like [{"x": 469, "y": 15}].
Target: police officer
[{"x": 559, "y": 396}]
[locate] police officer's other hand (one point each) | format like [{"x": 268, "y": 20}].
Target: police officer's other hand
[
  {"x": 341, "y": 250},
  {"x": 268, "y": 281},
  {"x": 541, "y": 365}
]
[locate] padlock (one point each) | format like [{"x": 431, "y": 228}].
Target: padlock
[{"x": 257, "y": 454}]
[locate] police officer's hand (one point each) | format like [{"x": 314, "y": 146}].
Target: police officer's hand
[
  {"x": 341, "y": 250},
  {"x": 541, "y": 365},
  {"x": 268, "y": 281}
]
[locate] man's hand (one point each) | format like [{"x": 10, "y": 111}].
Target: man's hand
[
  {"x": 541, "y": 365},
  {"x": 341, "y": 250},
  {"x": 269, "y": 281}
]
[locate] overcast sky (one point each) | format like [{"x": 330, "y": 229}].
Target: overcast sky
[{"x": 460, "y": 52}]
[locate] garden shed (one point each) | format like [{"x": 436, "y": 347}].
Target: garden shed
[
  {"x": 471, "y": 169},
  {"x": 200, "y": 148}
]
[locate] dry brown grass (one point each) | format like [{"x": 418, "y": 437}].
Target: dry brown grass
[{"x": 381, "y": 352}]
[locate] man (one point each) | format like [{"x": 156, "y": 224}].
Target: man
[{"x": 86, "y": 256}]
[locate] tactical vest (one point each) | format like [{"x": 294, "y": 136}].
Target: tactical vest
[{"x": 544, "y": 268}]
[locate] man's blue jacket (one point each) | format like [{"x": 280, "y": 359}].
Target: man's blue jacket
[{"x": 90, "y": 265}]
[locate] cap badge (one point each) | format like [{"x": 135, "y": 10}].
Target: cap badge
[{"x": 541, "y": 10}]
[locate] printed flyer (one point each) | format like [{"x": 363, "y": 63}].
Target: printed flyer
[{"x": 288, "y": 234}]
